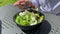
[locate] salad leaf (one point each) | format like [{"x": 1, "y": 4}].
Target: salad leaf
[
  {"x": 28, "y": 18},
  {"x": 41, "y": 18},
  {"x": 17, "y": 19},
  {"x": 24, "y": 22}
]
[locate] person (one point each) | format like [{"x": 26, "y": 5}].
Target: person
[
  {"x": 44, "y": 5},
  {"x": 23, "y": 3}
]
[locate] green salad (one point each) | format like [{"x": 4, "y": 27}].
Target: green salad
[{"x": 27, "y": 18}]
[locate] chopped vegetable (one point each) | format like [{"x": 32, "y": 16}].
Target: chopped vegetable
[
  {"x": 18, "y": 19},
  {"x": 27, "y": 18}
]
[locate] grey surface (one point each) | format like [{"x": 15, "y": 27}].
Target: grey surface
[
  {"x": 8, "y": 26},
  {"x": 0, "y": 27},
  {"x": 51, "y": 25},
  {"x": 53, "y": 2}
]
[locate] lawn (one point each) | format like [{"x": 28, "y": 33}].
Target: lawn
[{"x": 6, "y": 2}]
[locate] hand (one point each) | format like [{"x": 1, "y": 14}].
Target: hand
[{"x": 22, "y": 4}]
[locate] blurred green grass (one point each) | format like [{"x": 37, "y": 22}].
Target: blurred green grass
[{"x": 6, "y": 2}]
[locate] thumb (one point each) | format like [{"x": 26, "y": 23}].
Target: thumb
[{"x": 16, "y": 3}]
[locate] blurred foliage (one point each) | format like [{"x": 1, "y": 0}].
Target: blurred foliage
[{"x": 6, "y": 2}]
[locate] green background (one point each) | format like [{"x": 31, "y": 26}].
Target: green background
[{"x": 6, "y": 2}]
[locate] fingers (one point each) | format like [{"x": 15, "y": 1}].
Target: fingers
[
  {"x": 16, "y": 3},
  {"x": 20, "y": 2},
  {"x": 23, "y": 0},
  {"x": 26, "y": 0}
]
